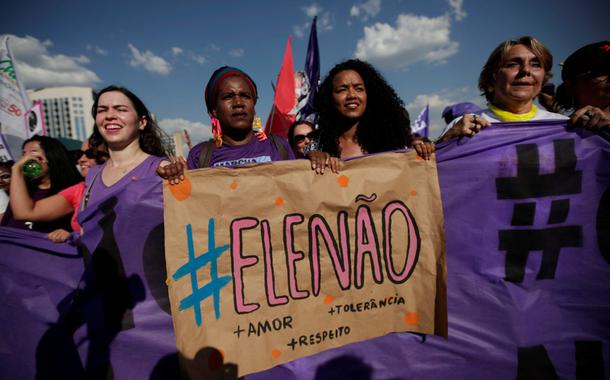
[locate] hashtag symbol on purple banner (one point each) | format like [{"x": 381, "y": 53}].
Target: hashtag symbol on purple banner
[{"x": 213, "y": 287}]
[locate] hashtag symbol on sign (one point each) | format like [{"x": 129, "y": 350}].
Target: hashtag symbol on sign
[{"x": 211, "y": 289}]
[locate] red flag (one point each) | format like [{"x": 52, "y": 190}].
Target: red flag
[{"x": 282, "y": 114}]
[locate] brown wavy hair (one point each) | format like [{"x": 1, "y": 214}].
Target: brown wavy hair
[{"x": 150, "y": 138}]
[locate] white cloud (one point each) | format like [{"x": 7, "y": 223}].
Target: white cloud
[
  {"x": 149, "y": 61},
  {"x": 40, "y": 68},
  {"x": 413, "y": 39},
  {"x": 438, "y": 101},
  {"x": 312, "y": 10},
  {"x": 200, "y": 59},
  {"x": 324, "y": 24},
  {"x": 299, "y": 30},
  {"x": 188, "y": 55},
  {"x": 82, "y": 59},
  {"x": 457, "y": 9},
  {"x": 366, "y": 10},
  {"x": 96, "y": 49},
  {"x": 237, "y": 53},
  {"x": 214, "y": 47},
  {"x": 198, "y": 132}
]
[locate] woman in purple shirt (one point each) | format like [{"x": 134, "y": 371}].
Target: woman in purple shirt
[
  {"x": 230, "y": 97},
  {"x": 133, "y": 139}
]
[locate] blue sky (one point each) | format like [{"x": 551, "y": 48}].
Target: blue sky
[{"x": 431, "y": 51}]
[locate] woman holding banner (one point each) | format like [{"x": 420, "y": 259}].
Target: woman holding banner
[
  {"x": 359, "y": 113},
  {"x": 230, "y": 97},
  {"x": 585, "y": 90},
  {"x": 121, "y": 215},
  {"x": 511, "y": 79}
]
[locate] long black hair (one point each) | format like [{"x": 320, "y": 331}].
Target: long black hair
[
  {"x": 385, "y": 124},
  {"x": 62, "y": 171},
  {"x": 150, "y": 138}
]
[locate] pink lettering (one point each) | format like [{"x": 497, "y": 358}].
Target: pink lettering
[
  {"x": 413, "y": 242},
  {"x": 272, "y": 298},
  {"x": 293, "y": 256},
  {"x": 318, "y": 225},
  {"x": 239, "y": 262},
  {"x": 366, "y": 244}
]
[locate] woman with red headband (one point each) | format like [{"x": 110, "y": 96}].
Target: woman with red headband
[{"x": 230, "y": 97}]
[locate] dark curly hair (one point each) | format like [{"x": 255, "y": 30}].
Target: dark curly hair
[
  {"x": 62, "y": 171},
  {"x": 385, "y": 124},
  {"x": 150, "y": 138}
]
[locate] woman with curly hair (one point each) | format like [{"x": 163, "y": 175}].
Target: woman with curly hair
[{"x": 359, "y": 113}]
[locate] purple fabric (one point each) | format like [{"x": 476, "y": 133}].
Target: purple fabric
[
  {"x": 37, "y": 280},
  {"x": 312, "y": 70},
  {"x": 9, "y": 221},
  {"x": 118, "y": 321},
  {"x": 542, "y": 317},
  {"x": 253, "y": 152},
  {"x": 100, "y": 191},
  {"x": 498, "y": 328},
  {"x": 459, "y": 109},
  {"x": 124, "y": 226}
]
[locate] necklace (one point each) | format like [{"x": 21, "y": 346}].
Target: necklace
[{"x": 125, "y": 167}]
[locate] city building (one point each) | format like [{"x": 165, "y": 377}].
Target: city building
[{"x": 67, "y": 111}]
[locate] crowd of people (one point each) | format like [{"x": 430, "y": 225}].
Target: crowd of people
[{"x": 357, "y": 113}]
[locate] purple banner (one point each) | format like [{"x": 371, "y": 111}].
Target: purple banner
[
  {"x": 527, "y": 220},
  {"x": 527, "y": 210},
  {"x": 37, "y": 281},
  {"x": 98, "y": 309}
]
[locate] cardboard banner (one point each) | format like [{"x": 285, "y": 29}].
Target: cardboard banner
[{"x": 271, "y": 263}]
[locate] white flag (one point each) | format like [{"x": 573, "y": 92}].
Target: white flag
[
  {"x": 34, "y": 120},
  {"x": 14, "y": 102}
]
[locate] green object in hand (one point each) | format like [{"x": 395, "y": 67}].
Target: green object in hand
[{"x": 32, "y": 169}]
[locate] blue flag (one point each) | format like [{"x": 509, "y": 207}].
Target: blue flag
[
  {"x": 312, "y": 71},
  {"x": 422, "y": 123}
]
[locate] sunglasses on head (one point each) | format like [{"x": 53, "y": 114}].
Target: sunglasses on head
[{"x": 298, "y": 138}]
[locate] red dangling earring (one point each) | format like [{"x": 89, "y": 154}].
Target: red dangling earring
[{"x": 216, "y": 131}]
